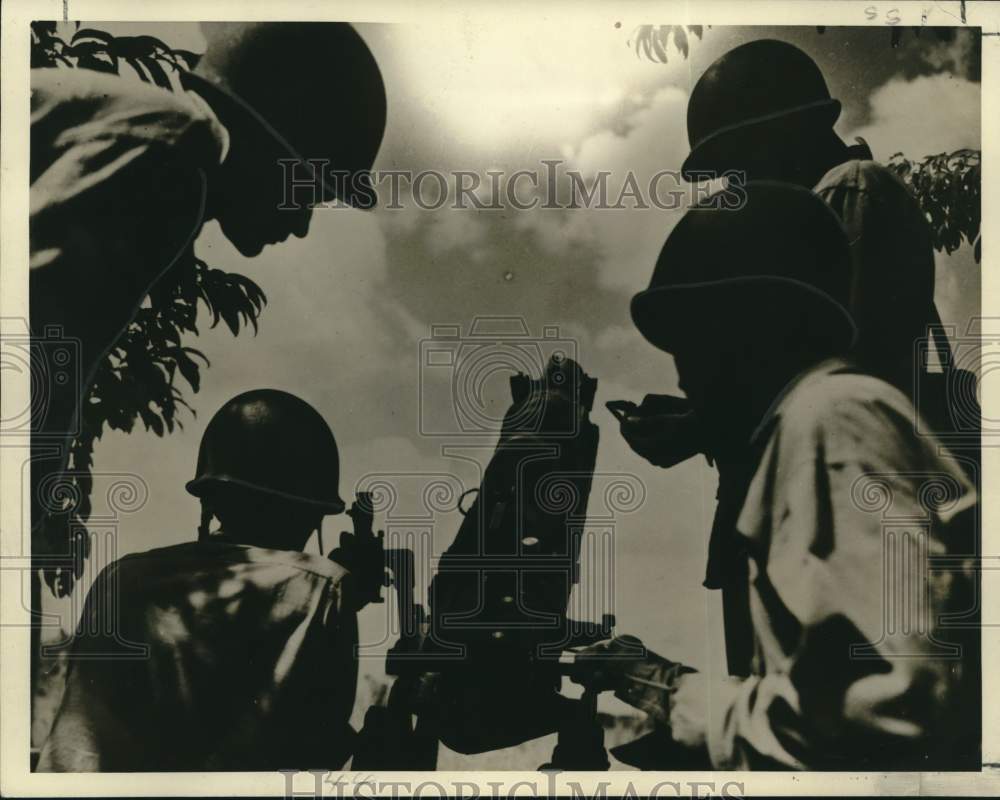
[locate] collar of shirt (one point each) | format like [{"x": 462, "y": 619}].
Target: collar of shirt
[
  {"x": 220, "y": 130},
  {"x": 770, "y": 416}
]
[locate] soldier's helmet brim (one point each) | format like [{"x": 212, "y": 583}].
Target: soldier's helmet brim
[
  {"x": 210, "y": 484},
  {"x": 273, "y": 443},
  {"x": 781, "y": 253}
]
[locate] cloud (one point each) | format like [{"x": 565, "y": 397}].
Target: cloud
[
  {"x": 328, "y": 334},
  {"x": 626, "y": 241},
  {"x": 511, "y": 83},
  {"x": 919, "y": 117},
  {"x": 962, "y": 55},
  {"x": 931, "y": 51}
]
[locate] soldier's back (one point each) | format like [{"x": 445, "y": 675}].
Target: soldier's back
[{"x": 209, "y": 656}]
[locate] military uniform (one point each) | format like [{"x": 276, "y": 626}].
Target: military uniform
[{"x": 210, "y": 656}]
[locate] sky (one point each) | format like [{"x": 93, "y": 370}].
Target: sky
[{"x": 349, "y": 306}]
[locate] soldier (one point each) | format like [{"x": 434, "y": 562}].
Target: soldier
[
  {"x": 854, "y": 666},
  {"x": 234, "y": 652},
  {"x": 764, "y": 110},
  {"x": 124, "y": 174}
]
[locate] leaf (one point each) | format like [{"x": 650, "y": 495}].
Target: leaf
[
  {"x": 92, "y": 34},
  {"x": 658, "y": 39},
  {"x": 231, "y": 318},
  {"x": 681, "y": 40},
  {"x": 252, "y": 290},
  {"x": 43, "y": 28},
  {"x": 190, "y": 59},
  {"x": 156, "y": 72},
  {"x": 139, "y": 68},
  {"x": 152, "y": 421},
  {"x": 138, "y": 46},
  {"x": 95, "y": 57}
]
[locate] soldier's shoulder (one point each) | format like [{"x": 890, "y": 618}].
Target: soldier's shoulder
[
  {"x": 231, "y": 557},
  {"x": 845, "y": 411},
  {"x": 838, "y": 381},
  {"x": 861, "y": 175},
  {"x": 120, "y": 105},
  {"x": 86, "y": 84}
]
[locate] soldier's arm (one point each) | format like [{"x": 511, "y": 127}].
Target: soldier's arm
[
  {"x": 119, "y": 172},
  {"x": 848, "y": 612},
  {"x": 892, "y": 254}
]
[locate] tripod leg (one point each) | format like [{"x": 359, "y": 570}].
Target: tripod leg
[
  {"x": 389, "y": 740},
  {"x": 581, "y": 739}
]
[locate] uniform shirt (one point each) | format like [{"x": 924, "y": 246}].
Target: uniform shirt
[
  {"x": 217, "y": 656},
  {"x": 892, "y": 286},
  {"x": 118, "y": 175},
  {"x": 891, "y": 299},
  {"x": 118, "y": 188},
  {"x": 854, "y": 525},
  {"x": 117, "y": 191}
]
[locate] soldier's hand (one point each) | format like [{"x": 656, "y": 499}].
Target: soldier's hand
[
  {"x": 689, "y": 704},
  {"x": 635, "y": 674},
  {"x": 663, "y": 429},
  {"x": 604, "y": 665}
]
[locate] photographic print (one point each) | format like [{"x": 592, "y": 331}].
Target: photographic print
[{"x": 424, "y": 403}]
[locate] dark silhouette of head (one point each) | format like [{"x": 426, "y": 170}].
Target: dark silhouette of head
[
  {"x": 260, "y": 519},
  {"x": 291, "y": 91},
  {"x": 763, "y": 109},
  {"x": 745, "y": 298},
  {"x": 268, "y": 470}
]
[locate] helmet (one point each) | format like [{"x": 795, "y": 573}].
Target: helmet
[
  {"x": 273, "y": 442},
  {"x": 315, "y": 86},
  {"x": 783, "y": 252},
  {"x": 752, "y": 85}
]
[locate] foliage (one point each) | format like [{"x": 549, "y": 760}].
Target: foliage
[
  {"x": 651, "y": 40},
  {"x": 138, "y": 379},
  {"x": 151, "y": 59},
  {"x": 947, "y": 186}
]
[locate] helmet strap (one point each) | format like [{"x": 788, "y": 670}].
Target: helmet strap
[
  {"x": 206, "y": 520},
  {"x": 319, "y": 537}
]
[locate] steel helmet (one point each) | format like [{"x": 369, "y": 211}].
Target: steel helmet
[
  {"x": 315, "y": 86},
  {"x": 752, "y": 85},
  {"x": 782, "y": 252},
  {"x": 273, "y": 442}
]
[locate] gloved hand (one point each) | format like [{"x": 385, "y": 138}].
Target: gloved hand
[
  {"x": 635, "y": 674},
  {"x": 663, "y": 429}
]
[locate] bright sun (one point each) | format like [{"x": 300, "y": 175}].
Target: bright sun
[{"x": 518, "y": 82}]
